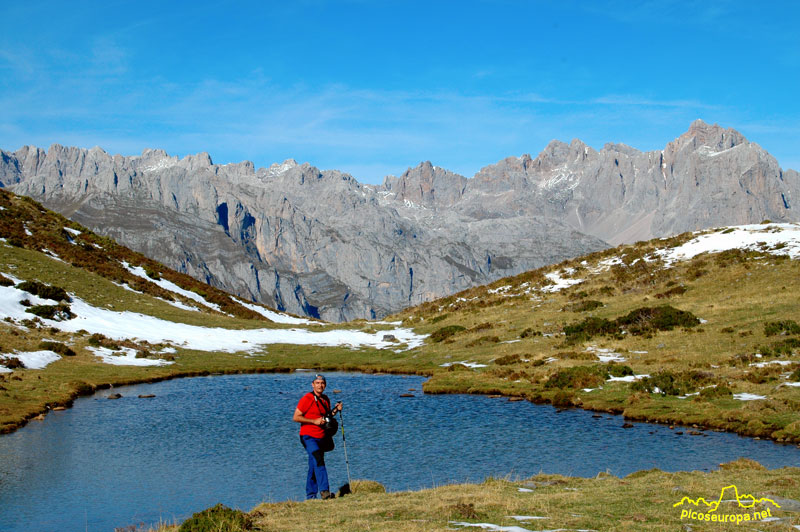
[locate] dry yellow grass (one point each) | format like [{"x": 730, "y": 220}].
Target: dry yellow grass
[{"x": 642, "y": 501}]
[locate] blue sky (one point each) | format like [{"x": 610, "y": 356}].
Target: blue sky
[{"x": 373, "y": 87}]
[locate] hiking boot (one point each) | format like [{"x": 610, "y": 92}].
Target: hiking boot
[{"x": 327, "y": 495}]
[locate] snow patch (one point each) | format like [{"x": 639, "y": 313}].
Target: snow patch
[
  {"x": 34, "y": 359},
  {"x": 133, "y": 325},
  {"x": 463, "y": 363},
  {"x": 748, "y": 397},
  {"x": 628, "y": 378},
  {"x": 559, "y": 283},
  {"x": 276, "y": 317},
  {"x": 171, "y": 287},
  {"x": 125, "y": 357}
]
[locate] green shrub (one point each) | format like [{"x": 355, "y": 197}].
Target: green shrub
[
  {"x": 12, "y": 363},
  {"x": 675, "y": 291},
  {"x": 60, "y": 312},
  {"x": 563, "y": 398},
  {"x": 446, "y": 332},
  {"x": 151, "y": 273},
  {"x": 484, "y": 340},
  {"x": 588, "y": 328},
  {"x": 5, "y": 281},
  {"x": 715, "y": 392},
  {"x": 96, "y": 340},
  {"x": 650, "y": 319},
  {"x": 778, "y": 349},
  {"x": 367, "y": 486},
  {"x": 619, "y": 370},
  {"x": 439, "y": 318},
  {"x": 795, "y": 376},
  {"x": 218, "y": 518},
  {"x": 669, "y": 383},
  {"x": 44, "y": 291},
  {"x": 529, "y": 332},
  {"x": 606, "y": 290},
  {"x": 57, "y": 347},
  {"x": 506, "y": 360},
  {"x": 578, "y": 377},
  {"x": 771, "y": 328}
]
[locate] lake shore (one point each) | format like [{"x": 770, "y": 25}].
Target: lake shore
[{"x": 650, "y": 500}]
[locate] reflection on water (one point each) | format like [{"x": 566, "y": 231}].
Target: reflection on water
[{"x": 230, "y": 439}]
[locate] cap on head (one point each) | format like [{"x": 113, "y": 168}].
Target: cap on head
[{"x": 320, "y": 377}]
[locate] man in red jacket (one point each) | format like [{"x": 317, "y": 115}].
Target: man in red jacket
[{"x": 311, "y": 410}]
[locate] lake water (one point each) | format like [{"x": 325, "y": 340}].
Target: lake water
[{"x": 115, "y": 463}]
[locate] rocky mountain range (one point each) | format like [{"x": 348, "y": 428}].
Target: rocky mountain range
[{"x": 322, "y": 244}]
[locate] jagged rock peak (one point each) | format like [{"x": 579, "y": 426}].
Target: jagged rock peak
[
  {"x": 280, "y": 168},
  {"x": 714, "y": 136},
  {"x": 620, "y": 148},
  {"x": 149, "y": 153}
]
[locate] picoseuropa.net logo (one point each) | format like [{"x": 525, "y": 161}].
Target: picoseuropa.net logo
[{"x": 746, "y": 502}]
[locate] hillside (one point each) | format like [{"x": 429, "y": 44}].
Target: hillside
[
  {"x": 80, "y": 312},
  {"x": 319, "y": 243},
  {"x": 700, "y": 329}
]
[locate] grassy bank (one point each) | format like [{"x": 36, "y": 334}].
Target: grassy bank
[{"x": 641, "y": 501}]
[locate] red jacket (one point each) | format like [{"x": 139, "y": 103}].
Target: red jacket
[{"x": 312, "y": 410}]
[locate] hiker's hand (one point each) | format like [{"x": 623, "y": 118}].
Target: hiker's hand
[
  {"x": 319, "y": 421},
  {"x": 338, "y": 406}
]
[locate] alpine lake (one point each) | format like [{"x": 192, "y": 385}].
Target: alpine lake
[{"x": 134, "y": 462}]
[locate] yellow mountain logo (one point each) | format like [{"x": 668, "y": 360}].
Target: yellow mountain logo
[{"x": 744, "y": 501}]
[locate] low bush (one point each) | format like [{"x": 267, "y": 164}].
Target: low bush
[
  {"x": 506, "y": 360},
  {"x": 606, "y": 290},
  {"x": 57, "y": 347},
  {"x": 779, "y": 349},
  {"x": 218, "y": 518},
  {"x": 484, "y": 340},
  {"x": 675, "y": 291},
  {"x": 714, "y": 392},
  {"x": 151, "y": 273},
  {"x": 795, "y": 376},
  {"x": 529, "y": 332},
  {"x": 44, "y": 291},
  {"x": 563, "y": 398},
  {"x": 12, "y": 363},
  {"x": 650, "y": 319},
  {"x": 763, "y": 375},
  {"x": 586, "y": 376},
  {"x": 669, "y": 383},
  {"x": 60, "y": 312},
  {"x": 367, "y": 486},
  {"x": 771, "y": 328},
  {"x": 439, "y": 318},
  {"x": 444, "y": 333},
  {"x": 588, "y": 328},
  {"x": 5, "y": 281},
  {"x": 577, "y": 377}
]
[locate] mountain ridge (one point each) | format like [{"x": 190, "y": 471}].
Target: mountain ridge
[{"x": 320, "y": 243}]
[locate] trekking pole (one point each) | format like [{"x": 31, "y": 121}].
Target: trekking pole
[{"x": 344, "y": 442}]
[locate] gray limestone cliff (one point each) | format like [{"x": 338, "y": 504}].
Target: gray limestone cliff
[{"x": 322, "y": 244}]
